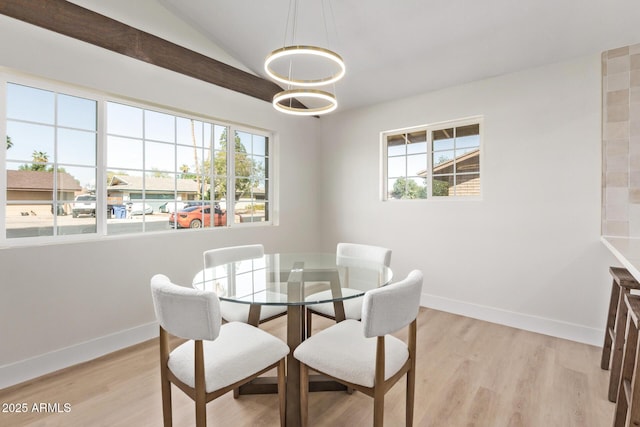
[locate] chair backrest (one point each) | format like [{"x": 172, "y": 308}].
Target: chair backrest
[
  {"x": 390, "y": 308},
  {"x": 185, "y": 312},
  {"x": 374, "y": 254},
  {"x": 220, "y": 256},
  {"x": 363, "y": 264}
]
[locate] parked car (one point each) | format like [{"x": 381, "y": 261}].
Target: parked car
[
  {"x": 139, "y": 208},
  {"x": 171, "y": 207},
  {"x": 84, "y": 204},
  {"x": 198, "y": 216}
]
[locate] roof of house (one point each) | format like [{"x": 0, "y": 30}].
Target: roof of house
[
  {"x": 442, "y": 166},
  {"x": 40, "y": 181},
  {"x": 126, "y": 182}
]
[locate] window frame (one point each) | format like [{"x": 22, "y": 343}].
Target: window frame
[
  {"x": 231, "y": 172},
  {"x": 429, "y": 129},
  {"x": 101, "y": 99}
]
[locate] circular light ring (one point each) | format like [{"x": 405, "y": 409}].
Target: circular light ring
[
  {"x": 304, "y": 93},
  {"x": 304, "y": 50}
]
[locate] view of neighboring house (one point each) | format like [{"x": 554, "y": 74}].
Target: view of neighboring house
[
  {"x": 27, "y": 186},
  {"x": 123, "y": 188},
  {"x": 457, "y": 176}
]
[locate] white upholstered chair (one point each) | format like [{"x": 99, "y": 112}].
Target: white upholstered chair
[
  {"x": 216, "y": 358},
  {"x": 361, "y": 355},
  {"x": 352, "y": 306},
  {"x": 236, "y": 312}
]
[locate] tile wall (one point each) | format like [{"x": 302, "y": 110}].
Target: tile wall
[{"x": 621, "y": 142}]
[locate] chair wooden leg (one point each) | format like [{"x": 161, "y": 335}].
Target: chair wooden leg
[
  {"x": 200, "y": 400},
  {"x": 618, "y": 345},
  {"x": 308, "y": 330},
  {"x": 411, "y": 375},
  {"x": 201, "y": 413},
  {"x": 165, "y": 384},
  {"x": 166, "y": 403},
  {"x": 411, "y": 392},
  {"x": 627, "y": 411},
  {"x": 282, "y": 393},
  {"x": 611, "y": 320},
  {"x": 633, "y": 413},
  {"x": 378, "y": 407},
  {"x": 632, "y": 363},
  {"x": 304, "y": 395},
  {"x": 379, "y": 387},
  {"x": 627, "y": 371}
]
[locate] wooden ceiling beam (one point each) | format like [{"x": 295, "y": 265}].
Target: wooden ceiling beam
[{"x": 83, "y": 24}]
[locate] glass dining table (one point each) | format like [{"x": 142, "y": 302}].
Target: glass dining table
[{"x": 294, "y": 280}]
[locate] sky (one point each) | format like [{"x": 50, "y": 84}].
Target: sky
[{"x": 64, "y": 127}]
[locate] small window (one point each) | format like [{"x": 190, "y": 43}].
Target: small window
[{"x": 433, "y": 161}]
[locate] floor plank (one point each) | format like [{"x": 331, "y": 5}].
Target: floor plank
[{"x": 469, "y": 373}]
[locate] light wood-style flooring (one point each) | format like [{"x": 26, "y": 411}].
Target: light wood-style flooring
[{"x": 469, "y": 373}]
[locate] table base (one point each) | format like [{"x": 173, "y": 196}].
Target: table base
[{"x": 269, "y": 385}]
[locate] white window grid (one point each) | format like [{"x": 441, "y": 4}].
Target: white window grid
[{"x": 8, "y": 76}]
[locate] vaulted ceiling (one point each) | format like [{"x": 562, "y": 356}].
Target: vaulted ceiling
[
  {"x": 398, "y": 48},
  {"x": 392, "y": 49}
]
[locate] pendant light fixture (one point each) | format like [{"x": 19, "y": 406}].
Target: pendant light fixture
[{"x": 296, "y": 65}]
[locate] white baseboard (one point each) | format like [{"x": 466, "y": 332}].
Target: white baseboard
[
  {"x": 34, "y": 367},
  {"x": 541, "y": 325}
]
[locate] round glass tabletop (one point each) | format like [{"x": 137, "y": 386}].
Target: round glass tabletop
[{"x": 293, "y": 279}]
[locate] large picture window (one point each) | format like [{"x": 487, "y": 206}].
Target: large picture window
[
  {"x": 434, "y": 161},
  {"x": 77, "y": 165}
]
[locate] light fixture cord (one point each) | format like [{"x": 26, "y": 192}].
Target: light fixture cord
[
  {"x": 324, "y": 21},
  {"x": 294, "y": 28},
  {"x": 286, "y": 27},
  {"x": 326, "y": 31},
  {"x": 293, "y": 5}
]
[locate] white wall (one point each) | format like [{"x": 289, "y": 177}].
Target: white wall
[
  {"x": 528, "y": 254},
  {"x": 62, "y": 304}
]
